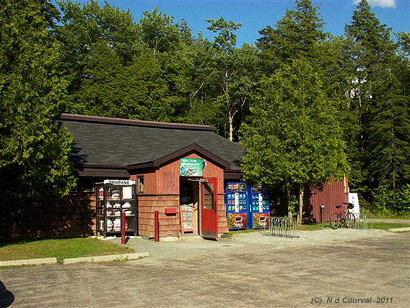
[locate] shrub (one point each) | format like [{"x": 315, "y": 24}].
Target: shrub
[{"x": 387, "y": 202}]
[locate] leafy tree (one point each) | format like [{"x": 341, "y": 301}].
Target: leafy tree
[
  {"x": 133, "y": 91},
  {"x": 97, "y": 42},
  {"x": 389, "y": 141},
  {"x": 34, "y": 150},
  {"x": 171, "y": 44},
  {"x": 185, "y": 32},
  {"x": 200, "y": 86},
  {"x": 89, "y": 24},
  {"x": 94, "y": 94},
  {"x": 140, "y": 92},
  {"x": 234, "y": 71},
  {"x": 158, "y": 32},
  {"x": 294, "y": 36},
  {"x": 293, "y": 138}
]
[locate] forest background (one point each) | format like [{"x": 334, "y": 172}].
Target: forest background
[{"x": 307, "y": 106}]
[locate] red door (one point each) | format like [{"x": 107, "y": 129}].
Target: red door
[{"x": 209, "y": 208}]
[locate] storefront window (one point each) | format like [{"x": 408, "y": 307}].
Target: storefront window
[
  {"x": 140, "y": 184},
  {"x": 88, "y": 185}
]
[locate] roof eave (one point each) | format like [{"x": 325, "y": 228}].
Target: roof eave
[
  {"x": 180, "y": 153},
  {"x": 119, "y": 121}
]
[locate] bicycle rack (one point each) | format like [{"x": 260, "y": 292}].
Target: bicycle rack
[
  {"x": 356, "y": 224},
  {"x": 281, "y": 227},
  {"x": 361, "y": 222}
]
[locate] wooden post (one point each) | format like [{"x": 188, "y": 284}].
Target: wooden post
[
  {"x": 322, "y": 208},
  {"x": 300, "y": 213},
  {"x": 122, "y": 228},
  {"x": 156, "y": 221}
]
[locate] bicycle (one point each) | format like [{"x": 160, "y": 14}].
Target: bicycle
[{"x": 344, "y": 217}]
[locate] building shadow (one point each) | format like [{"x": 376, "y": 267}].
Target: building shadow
[
  {"x": 73, "y": 216},
  {"x": 6, "y": 297},
  {"x": 45, "y": 216}
]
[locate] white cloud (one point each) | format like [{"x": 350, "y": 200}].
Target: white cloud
[{"x": 380, "y": 3}]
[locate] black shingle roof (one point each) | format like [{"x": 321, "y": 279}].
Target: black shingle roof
[{"x": 107, "y": 141}]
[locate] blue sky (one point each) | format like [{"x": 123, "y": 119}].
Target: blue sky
[{"x": 256, "y": 14}]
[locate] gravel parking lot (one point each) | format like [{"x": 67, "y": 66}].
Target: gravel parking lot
[{"x": 331, "y": 268}]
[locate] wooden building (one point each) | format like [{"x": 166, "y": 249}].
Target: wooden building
[
  {"x": 150, "y": 153},
  {"x": 332, "y": 194}
]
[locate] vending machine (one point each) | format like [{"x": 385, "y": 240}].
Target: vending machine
[
  {"x": 259, "y": 207},
  {"x": 236, "y": 202}
]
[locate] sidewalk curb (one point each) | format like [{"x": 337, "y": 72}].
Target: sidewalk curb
[
  {"x": 108, "y": 258},
  {"x": 39, "y": 261},
  {"x": 398, "y": 230}
]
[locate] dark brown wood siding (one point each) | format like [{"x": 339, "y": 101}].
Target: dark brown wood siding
[{"x": 73, "y": 216}]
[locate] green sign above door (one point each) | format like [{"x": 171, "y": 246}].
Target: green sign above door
[{"x": 191, "y": 166}]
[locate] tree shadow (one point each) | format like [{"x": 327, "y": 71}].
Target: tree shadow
[
  {"x": 6, "y": 297},
  {"x": 75, "y": 157},
  {"x": 308, "y": 209}
]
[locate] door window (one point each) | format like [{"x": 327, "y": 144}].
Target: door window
[{"x": 209, "y": 203}]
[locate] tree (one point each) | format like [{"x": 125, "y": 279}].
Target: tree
[
  {"x": 295, "y": 36},
  {"x": 96, "y": 43},
  {"x": 389, "y": 141},
  {"x": 140, "y": 92},
  {"x": 200, "y": 86},
  {"x": 378, "y": 97},
  {"x": 234, "y": 71},
  {"x": 82, "y": 26},
  {"x": 34, "y": 149},
  {"x": 403, "y": 39},
  {"x": 158, "y": 32},
  {"x": 94, "y": 94},
  {"x": 293, "y": 138},
  {"x": 226, "y": 38}
]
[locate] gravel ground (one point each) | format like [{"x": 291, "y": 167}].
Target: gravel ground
[
  {"x": 189, "y": 246},
  {"x": 329, "y": 268}
]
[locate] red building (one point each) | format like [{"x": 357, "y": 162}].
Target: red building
[
  {"x": 151, "y": 153},
  {"x": 333, "y": 193},
  {"x": 154, "y": 155}
]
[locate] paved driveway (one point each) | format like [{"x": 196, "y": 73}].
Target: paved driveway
[{"x": 252, "y": 270}]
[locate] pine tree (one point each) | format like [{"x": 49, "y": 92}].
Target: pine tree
[
  {"x": 34, "y": 150},
  {"x": 379, "y": 101},
  {"x": 295, "y": 36}
]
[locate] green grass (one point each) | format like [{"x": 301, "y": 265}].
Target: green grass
[
  {"x": 312, "y": 226},
  {"x": 231, "y": 233},
  {"x": 385, "y": 225},
  {"x": 386, "y": 216},
  {"x": 59, "y": 248}
]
